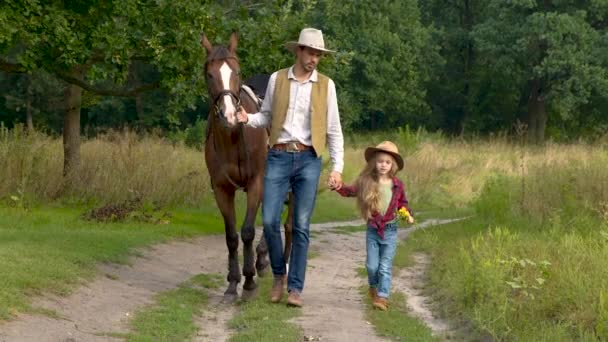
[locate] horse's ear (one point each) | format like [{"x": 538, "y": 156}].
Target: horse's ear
[
  {"x": 205, "y": 43},
  {"x": 234, "y": 39}
]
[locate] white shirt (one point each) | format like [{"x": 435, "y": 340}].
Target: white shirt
[{"x": 297, "y": 121}]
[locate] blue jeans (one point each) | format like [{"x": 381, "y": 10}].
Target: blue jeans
[
  {"x": 380, "y": 253},
  {"x": 300, "y": 172}
]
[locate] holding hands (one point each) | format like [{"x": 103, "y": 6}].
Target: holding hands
[{"x": 335, "y": 180}]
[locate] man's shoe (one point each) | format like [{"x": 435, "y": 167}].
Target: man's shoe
[
  {"x": 276, "y": 293},
  {"x": 380, "y": 303},
  {"x": 294, "y": 299}
]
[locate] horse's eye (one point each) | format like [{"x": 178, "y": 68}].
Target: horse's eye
[{"x": 209, "y": 75}]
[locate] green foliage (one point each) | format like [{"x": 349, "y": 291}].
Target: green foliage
[
  {"x": 379, "y": 69},
  {"x": 559, "y": 46},
  {"x": 192, "y": 136},
  {"x": 495, "y": 200},
  {"x": 465, "y": 67},
  {"x": 530, "y": 265}
]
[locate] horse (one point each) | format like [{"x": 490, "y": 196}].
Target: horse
[{"x": 235, "y": 155}]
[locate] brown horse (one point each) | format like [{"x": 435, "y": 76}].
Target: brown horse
[{"x": 236, "y": 155}]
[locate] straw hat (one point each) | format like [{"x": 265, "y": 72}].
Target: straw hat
[
  {"x": 311, "y": 38},
  {"x": 386, "y": 147}
]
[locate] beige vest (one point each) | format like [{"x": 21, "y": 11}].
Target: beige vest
[{"x": 318, "y": 109}]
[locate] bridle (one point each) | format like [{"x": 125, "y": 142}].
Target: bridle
[
  {"x": 243, "y": 154},
  {"x": 216, "y": 100},
  {"x": 236, "y": 98}
]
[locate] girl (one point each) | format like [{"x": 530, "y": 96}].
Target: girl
[{"x": 381, "y": 201}]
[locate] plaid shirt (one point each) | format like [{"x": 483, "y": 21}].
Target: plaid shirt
[{"x": 398, "y": 200}]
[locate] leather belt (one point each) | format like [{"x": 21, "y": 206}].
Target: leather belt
[{"x": 292, "y": 146}]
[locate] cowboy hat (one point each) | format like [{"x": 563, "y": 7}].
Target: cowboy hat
[
  {"x": 311, "y": 38},
  {"x": 385, "y": 147}
]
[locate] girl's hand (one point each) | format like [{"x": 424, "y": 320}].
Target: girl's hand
[{"x": 410, "y": 219}]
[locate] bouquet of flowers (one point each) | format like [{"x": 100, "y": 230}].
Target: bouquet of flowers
[{"x": 404, "y": 215}]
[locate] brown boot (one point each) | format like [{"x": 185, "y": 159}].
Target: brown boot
[
  {"x": 380, "y": 303},
  {"x": 373, "y": 293},
  {"x": 276, "y": 293},
  {"x": 294, "y": 299}
]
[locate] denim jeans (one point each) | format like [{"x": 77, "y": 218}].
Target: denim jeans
[
  {"x": 299, "y": 171},
  {"x": 380, "y": 253}
]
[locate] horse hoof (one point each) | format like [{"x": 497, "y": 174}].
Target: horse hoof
[
  {"x": 261, "y": 268},
  {"x": 249, "y": 294},
  {"x": 249, "y": 285},
  {"x": 229, "y": 298}
]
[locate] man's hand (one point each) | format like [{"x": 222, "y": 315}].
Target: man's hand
[
  {"x": 335, "y": 180},
  {"x": 242, "y": 116}
]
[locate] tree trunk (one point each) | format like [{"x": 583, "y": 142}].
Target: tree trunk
[
  {"x": 139, "y": 107},
  {"x": 537, "y": 115},
  {"x": 468, "y": 60},
  {"x": 71, "y": 130},
  {"x": 28, "y": 105},
  {"x": 139, "y": 100}
]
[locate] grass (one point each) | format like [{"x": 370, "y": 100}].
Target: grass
[
  {"x": 117, "y": 166},
  {"x": 313, "y": 254},
  {"x": 260, "y": 320},
  {"x": 530, "y": 265},
  {"x": 443, "y": 213},
  {"x": 171, "y": 317},
  {"x": 396, "y": 323},
  {"x": 52, "y": 250},
  {"x": 349, "y": 229}
]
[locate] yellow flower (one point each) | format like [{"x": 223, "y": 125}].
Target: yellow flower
[{"x": 403, "y": 213}]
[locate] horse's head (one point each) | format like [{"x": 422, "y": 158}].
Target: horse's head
[{"x": 223, "y": 75}]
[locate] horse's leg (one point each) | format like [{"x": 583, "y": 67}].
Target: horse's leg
[
  {"x": 288, "y": 228},
  {"x": 225, "y": 202},
  {"x": 261, "y": 263},
  {"x": 248, "y": 234}
]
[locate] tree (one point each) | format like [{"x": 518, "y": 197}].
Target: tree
[
  {"x": 91, "y": 45},
  {"x": 35, "y": 99},
  {"x": 453, "y": 92},
  {"x": 385, "y": 56},
  {"x": 552, "y": 50},
  {"x": 95, "y": 46}
]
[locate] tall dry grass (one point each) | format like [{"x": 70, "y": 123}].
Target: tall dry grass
[
  {"x": 120, "y": 165},
  {"x": 114, "y": 167},
  {"x": 451, "y": 173}
]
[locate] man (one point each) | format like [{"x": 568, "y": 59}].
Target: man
[{"x": 301, "y": 108}]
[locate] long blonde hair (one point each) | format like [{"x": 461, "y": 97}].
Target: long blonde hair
[{"x": 368, "y": 193}]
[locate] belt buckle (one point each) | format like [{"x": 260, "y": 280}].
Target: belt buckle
[{"x": 292, "y": 147}]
